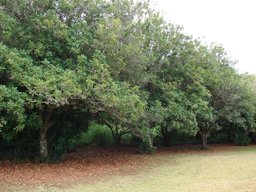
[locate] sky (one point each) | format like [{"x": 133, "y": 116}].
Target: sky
[{"x": 227, "y": 22}]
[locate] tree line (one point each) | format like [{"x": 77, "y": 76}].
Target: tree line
[{"x": 67, "y": 63}]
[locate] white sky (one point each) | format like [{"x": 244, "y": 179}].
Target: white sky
[{"x": 230, "y": 23}]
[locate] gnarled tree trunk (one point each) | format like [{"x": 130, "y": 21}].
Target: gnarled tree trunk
[
  {"x": 150, "y": 143},
  {"x": 43, "y": 143},
  {"x": 166, "y": 136},
  {"x": 46, "y": 117},
  {"x": 116, "y": 134},
  {"x": 204, "y": 136},
  {"x": 116, "y": 137},
  {"x": 204, "y": 142}
]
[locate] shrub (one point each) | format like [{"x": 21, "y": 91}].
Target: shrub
[
  {"x": 96, "y": 135},
  {"x": 218, "y": 137},
  {"x": 145, "y": 148},
  {"x": 130, "y": 139},
  {"x": 241, "y": 137}
]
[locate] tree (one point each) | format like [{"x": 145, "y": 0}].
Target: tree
[
  {"x": 122, "y": 62},
  {"x": 57, "y": 69},
  {"x": 47, "y": 88},
  {"x": 124, "y": 109},
  {"x": 229, "y": 97}
]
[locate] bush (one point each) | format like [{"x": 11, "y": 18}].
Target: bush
[
  {"x": 145, "y": 148},
  {"x": 183, "y": 138},
  {"x": 130, "y": 139},
  {"x": 96, "y": 135},
  {"x": 241, "y": 138},
  {"x": 23, "y": 145},
  {"x": 218, "y": 137}
]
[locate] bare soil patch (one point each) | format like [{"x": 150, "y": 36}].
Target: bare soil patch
[{"x": 91, "y": 164}]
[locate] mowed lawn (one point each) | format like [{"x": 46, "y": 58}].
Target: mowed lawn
[{"x": 226, "y": 170}]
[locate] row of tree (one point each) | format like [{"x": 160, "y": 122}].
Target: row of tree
[{"x": 65, "y": 63}]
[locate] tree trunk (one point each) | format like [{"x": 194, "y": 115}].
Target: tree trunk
[
  {"x": 204, "y": 141},
  {"x": 150, "y": 143},
  {"x": 47, "y": 123},
  {"x": 117, "y": 139},
  {"x": 167, "y": 141},
  {"x": 166, "y": 136},
  {"x": 43, "y": 143},
  {"x": 117, "y": 135},
  {"x": 230, "y": 134}
]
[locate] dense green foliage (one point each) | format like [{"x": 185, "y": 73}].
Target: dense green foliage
[{"x": 64, "y": 64}]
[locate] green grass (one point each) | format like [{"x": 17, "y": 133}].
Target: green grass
[{"x": 226, "y": 171}]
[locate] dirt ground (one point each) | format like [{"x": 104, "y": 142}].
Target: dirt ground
[{"x": 90, "y": 164}]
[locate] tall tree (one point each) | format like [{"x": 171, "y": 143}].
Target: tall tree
[{"x": 47, "y": 54}]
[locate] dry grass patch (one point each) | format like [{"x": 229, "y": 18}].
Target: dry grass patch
[{"x": 223, "y": 169}]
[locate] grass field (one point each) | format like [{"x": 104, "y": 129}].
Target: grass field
[{"x": 226, "y": 170}]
